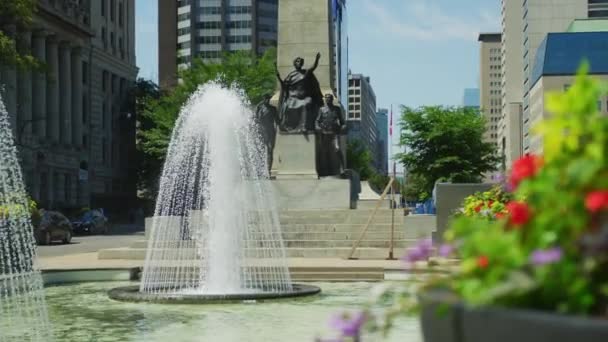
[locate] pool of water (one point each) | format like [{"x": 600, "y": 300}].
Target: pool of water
[{"x": 83, "y": 312}]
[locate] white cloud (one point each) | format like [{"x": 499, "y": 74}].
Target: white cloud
[{"x": 425, "y": 20}]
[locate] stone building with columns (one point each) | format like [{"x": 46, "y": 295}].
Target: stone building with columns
[{"x": 73, "y": 119}]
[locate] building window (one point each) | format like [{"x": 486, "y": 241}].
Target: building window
[
  {"x": 112, "y": 9},
  {"x": 85, "y": 72},
  {"x": 183, "y": 31},
  {"x": 67, "y": 184},
  {"x": 104, "y": 37},
  {"x": 113, "y": 84},
  {"x": 103, "y": 8},
  {"x": 209, "y": 25},
  {"x": 104, "y": 150},
  {"x": 104, "y": 110},
  {"x": 239, "y": 39},
  {"x": 85, "y": 141},
  {"x": 208, "y": 40},
  {"x": 84, "y": 109},
  {"x": 239, "y": 9},
  {"x": 113, "y": 42},
  {"x": 120, "y": 13},
  {"x": 239, "y": 24},
  {"x": 104, "y": 80},
  {"x": 183, "y": 16},
  {"x": 211, "y": 10},
  {"x": 121, "y": 47}
]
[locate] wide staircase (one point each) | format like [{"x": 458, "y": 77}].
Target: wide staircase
[{"x": 326, "y": 234}]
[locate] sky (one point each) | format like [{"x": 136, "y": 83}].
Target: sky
[{"x": 416, "y": 52}]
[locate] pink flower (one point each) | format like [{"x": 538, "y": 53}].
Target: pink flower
[
  {"x": 446, "y": 250},
  {"x": 544, "y": 257},
  {"x": 422, "y": 251},
  {"x": 349, "y": 324},
  {"x": 597, "y": 201}
]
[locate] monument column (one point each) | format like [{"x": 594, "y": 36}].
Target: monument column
[
  {"x": 77, "y": 96},
  {"x": 39, "y": 88},
  {"x": 65, "y": 86},
  {"x": 305, "y": 29},
  {"x": 25, "y": 88},
  {"x": 53, "y": 120},
  {"x": 9, "y": 78}
]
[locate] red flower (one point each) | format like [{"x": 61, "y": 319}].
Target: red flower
[
  {"x": 520, "y": 213},
  {"x": 483, "y": 262},
  {"x": 597, "y": 200},
  {"x": 524, "y": 167},
  {"x": 478, "y": 208},
  {"x": 490, "y": 202}
]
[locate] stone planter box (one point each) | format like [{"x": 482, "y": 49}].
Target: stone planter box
[{"x": 443, "y": 320}]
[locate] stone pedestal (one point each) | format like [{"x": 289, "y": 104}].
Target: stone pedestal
[{"x": 294, "y": 157}]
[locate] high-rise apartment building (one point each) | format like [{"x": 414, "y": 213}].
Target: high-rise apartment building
[
  {"x": 470, "y": 99},
  {"x": 490, "y": 74},
  {"x": 511, "y": 119},
  {"x": 382, "y": 140},
  {"x": 74, "y": 121},
  {"x": 361, "y": 119},
  {"x": 207, "y": 28}
]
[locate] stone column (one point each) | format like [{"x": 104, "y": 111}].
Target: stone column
[
  {"x": 39, "y": 89},
  {"x": 9, "y": 80},
  {"x": 77, "y": 97},
  {"x": 65, "y": 86},
  {"x": 53, "y": 89},
  {"x": 25, "y": 89}
]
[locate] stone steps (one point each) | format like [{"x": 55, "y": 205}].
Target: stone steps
[{"x": 292, "y": 252}]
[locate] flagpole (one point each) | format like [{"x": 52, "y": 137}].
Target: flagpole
[{"x": 393, "y": 203}]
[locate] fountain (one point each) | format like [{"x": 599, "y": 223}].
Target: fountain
[
  {"x": 23, "y": 314},
  {"x": 216, "y": 235}
]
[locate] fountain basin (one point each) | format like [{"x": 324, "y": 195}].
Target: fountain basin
[{"x": 132, "y": 294}]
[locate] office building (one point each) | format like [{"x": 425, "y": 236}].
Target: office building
[
  {"x": 206, "y": 28},
  {"x": 470, "y": 99},
  {"x": 382, "y": 140},
  {"x": 560, "y": 56},
  {"x": 74, "y": 121},
  {"x": 588, "y": 25},
  {"x": 511, "y": 118},
  {"x": 490, "y": 73},
  {"x": 361, "y": 119},
  {"x": 539, "y": 18}
]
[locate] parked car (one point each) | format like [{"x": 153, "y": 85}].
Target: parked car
[
  {"x": 53, "y": 226},
  {"x": 91, "y": 222}
]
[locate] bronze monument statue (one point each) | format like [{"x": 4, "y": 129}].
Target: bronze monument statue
[
  {"x": 300, "y": 98},
  {"x": 329, "y": 125},
  {"x": 267, "y": 120}
]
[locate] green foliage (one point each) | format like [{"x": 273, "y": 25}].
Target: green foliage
[
  {"x": 252, "y": 74},
  {"x": 550, "y": 251},
  {"x": 19, "y": 13},
  {"x": 445, "y": 143},
  {"x": 14, "y": 207},
  {"x": 415, "y": 188},
  {"x": 359, "y": 158}
]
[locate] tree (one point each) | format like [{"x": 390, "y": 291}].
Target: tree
[
  {"x": 148, "y": 169},
  {"x": 445, "y": 143},
  {"x": 19, "y": 14},
  {"x": 359, "y": 158},
  {"x": 254, "y": 75}
]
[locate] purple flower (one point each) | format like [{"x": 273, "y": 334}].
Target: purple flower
[
  {"x": 348, "y": 324},
  {"x": 422, "y": 251},
  {"x": 446, "y": 250},
  {"x": 542, "y": 257}
]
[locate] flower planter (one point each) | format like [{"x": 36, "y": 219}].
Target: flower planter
[{"x": 444, "y": 320}]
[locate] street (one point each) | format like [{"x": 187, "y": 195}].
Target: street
[{"x": 119, "y": 236}]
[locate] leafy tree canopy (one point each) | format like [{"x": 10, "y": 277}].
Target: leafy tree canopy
[
  {"x": 445, "y": 143},
  {"x": 255, "y": 75},
  {"x": 18, "y": 13}
]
